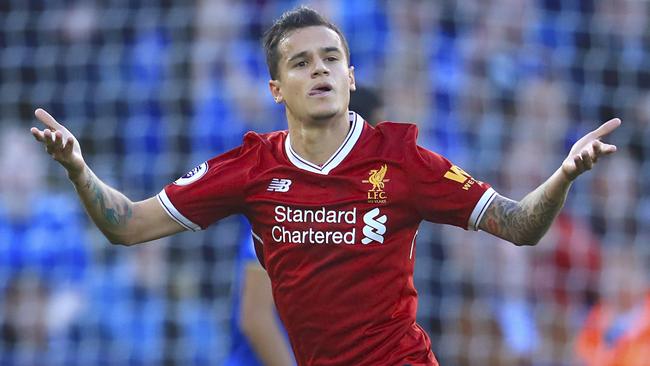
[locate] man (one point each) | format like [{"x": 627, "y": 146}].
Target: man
[
  {"x": 257, "y": 337},
  {"x": 334, "y": 204}
]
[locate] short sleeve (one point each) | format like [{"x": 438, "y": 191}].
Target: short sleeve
[
  {"x": 444, "y": 192},
  {"x": 211, "y": 191}
]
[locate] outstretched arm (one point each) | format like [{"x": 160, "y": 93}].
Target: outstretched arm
[
  {"x": 525, "y": 222},
  {"x": 121, "y": 220}
]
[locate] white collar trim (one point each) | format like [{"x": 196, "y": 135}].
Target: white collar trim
[{"x": 356, "y": 127}]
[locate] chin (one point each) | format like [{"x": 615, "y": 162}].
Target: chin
[{"x": 324, "y": 114}]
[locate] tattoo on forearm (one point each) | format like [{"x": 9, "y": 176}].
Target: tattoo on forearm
[
  {"x": 118, "y": 215},
  {"x": 522, "y": 222}
]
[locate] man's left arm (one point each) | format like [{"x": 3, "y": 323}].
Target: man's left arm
[{"x": 525, "y": 222}]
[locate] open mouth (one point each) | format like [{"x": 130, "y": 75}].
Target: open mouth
[{"x": 320, "y": 89}]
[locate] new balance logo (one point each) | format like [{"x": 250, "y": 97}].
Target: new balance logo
[
  {"x": 374, "y": 229},
  {"x": 279, "y": 185}
]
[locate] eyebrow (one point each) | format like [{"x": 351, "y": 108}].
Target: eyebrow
[{"x": 323, "y": 49}]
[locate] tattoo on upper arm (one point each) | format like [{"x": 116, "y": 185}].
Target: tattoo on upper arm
[
  {"x": 499, "y": 216},
  {"x": 118, "y": 215},
  {"x": 522, "y": 222}
]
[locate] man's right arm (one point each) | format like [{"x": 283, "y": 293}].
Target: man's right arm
[{"x": 121, "y": 220}]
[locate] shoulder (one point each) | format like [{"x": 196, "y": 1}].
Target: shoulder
[
  {"x": 402, "y": 137},
  {"x": 253, "y": 145},
  {"x": 391, "y": 136},
  {"x": 397, "y": 131},
  {"x": 396, "y": 127},
  {"x": 268, "y": 148},
  {"x": 261, "y": 140}
]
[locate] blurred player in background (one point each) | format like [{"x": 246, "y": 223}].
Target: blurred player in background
[
  {"x": 367, "y": 103},
  {"x": 257, "y": 335},
  {"x": 617, "y": 330},
  {"x": 43, "y": 257},
  {"x": 334, "y": 204}
]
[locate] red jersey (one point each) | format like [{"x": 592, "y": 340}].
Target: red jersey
[{"x": 337, "y": 240}]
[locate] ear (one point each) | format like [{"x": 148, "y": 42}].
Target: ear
[
  {"x": 353, "y": 85},
  {"x": 274, "y": 87}
]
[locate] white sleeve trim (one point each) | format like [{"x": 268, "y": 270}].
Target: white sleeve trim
[
  {"x": 175, "y": 214},
  {"x": 480, "y": 208},
  {"x": 257, "y": 237}
]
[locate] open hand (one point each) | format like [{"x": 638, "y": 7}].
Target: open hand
[
  {"x": 586, "y": 151},
  {"x": 59, "y": 143}
]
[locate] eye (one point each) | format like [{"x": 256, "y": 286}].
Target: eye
[
  {"x": 300, "y": 64},
  {"x": 332, "y": 58}
]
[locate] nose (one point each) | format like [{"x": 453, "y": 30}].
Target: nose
[{"x": 319, "y": 68}]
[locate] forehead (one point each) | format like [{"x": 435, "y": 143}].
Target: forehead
[{"x": 309, "y": 39}]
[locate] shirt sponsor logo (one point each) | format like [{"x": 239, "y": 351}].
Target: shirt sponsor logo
[
  {"x": 376, "y": 177},
  {"x": 193, "y": 175},
  {"x": 279, "y": 185},
  {"x": 296, "y": 226},
  {"x": 457, "y": 174},
  {"x": 309, "y": 235},
  {"x": 374, "y": 229}
]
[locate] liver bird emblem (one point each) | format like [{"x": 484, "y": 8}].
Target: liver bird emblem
[{"x": 377, "y": 178}]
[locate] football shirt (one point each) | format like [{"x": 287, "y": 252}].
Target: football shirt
[{"x": 337, "y": 239}]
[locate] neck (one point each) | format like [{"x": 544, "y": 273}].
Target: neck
[{"x": 317, "y": 141}]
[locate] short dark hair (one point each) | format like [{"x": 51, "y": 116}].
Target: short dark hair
[{"x": 298, "y": 18}]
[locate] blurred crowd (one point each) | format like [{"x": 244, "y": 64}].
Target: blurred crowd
[{"x": 153, "y": 88}]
